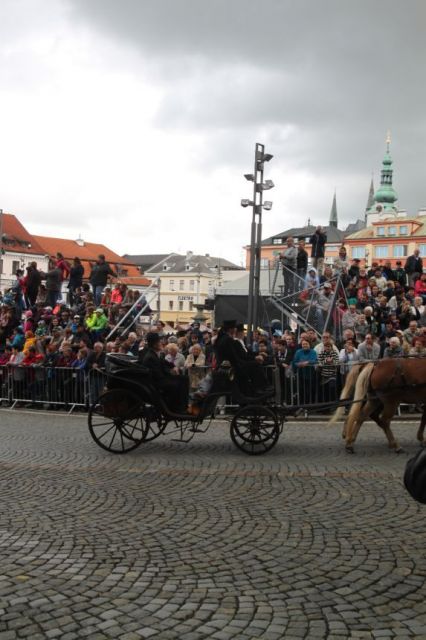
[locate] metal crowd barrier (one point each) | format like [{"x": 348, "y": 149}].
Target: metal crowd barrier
[
  {"x": 311, "y": 384},
  {"x": 58, "y": 387},
  {"x": 48, "y": 387}
]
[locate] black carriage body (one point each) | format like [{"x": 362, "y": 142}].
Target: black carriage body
[{"x": 133, "y": 410}]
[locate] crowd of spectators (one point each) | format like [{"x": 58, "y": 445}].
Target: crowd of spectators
[
  {"x": 58, "y": 321},
  {"x": 377, "y": 312}
]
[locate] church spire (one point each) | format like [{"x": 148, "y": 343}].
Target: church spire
[
  {"x": 333, "y": 213},
  {"x": 370, "y": 200},
  {"x": 386, "y": 195}
]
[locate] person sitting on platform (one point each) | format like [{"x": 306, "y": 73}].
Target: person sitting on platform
[{"x": 174, "y": 388}]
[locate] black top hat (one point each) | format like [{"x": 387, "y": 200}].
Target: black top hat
[
  {"x": 152, "y": 339},
  {"x": 229, "y": 324}
]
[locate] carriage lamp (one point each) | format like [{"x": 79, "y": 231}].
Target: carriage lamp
[{"x": 246, "y": 203}]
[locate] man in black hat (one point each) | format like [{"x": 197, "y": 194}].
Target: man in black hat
[
  {"x": 249, "y": 373},
  {"x": 174, "y": 387}
]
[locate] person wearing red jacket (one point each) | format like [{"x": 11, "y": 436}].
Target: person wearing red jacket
[
  {"x": 33, "y": 381},
  {"x": 63, "y": 265},
  {"x": 420, "y": 287}
]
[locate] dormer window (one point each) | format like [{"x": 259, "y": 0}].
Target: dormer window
[
  {"x": 165, "y": 267},
  {"x": 380, "y": 231},
  {"x": 277, "y": 241},
  {"x": 187, "y": 267}
]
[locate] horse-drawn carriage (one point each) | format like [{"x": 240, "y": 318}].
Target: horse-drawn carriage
[{"x": 132, "y": 410}]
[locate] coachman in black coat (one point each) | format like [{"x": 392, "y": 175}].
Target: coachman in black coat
[
  {"x": 174, "y": 388},
  {"x": 249, "y": 373}
]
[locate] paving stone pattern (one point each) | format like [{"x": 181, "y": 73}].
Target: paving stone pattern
[{"x": 196, "y": 541}]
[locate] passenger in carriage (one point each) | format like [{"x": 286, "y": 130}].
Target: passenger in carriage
[{"x": 174, "y": 388}]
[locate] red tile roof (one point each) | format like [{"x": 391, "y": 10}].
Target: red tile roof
[
  {"x": 88, "y": 254},
  {"x": 16, "y": 238}
]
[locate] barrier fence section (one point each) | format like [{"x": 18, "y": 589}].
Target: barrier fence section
[
  {"x": 60, "y": 387},
  {"x": 311, "y": 384},
  {"x": 36, "y": 385}
]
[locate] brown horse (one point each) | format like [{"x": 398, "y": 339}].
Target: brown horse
[{"x": 380, "y": 388}]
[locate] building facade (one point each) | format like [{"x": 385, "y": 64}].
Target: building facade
[
  {"x": 274, "y": 245},
  {"x": 185, "y": 282},
  {"x": 18, "y": 249},
  {"x": 390, "y": 239}
]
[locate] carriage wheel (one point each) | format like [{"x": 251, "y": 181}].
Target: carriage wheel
[
  {"x": 154, "y": 421},
  {"x": 255, "y": 429},
  {"x": 116, "y": 421}
]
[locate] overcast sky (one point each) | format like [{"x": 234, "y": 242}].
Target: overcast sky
[{"x": 132, "y": 122}]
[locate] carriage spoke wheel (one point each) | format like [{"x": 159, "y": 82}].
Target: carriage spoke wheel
[
  {"x": 116, "y": 421},
  {"x": 255, "y": 429},
  {"x": 154, "y": 421}
]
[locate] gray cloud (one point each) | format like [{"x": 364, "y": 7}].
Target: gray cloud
[{"x": 322, "y": 81}]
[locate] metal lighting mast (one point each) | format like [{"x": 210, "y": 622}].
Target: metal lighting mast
[{"x": 257, "y": 204}]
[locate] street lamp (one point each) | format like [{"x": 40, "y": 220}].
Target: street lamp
[{"x": 257, "y": 204}]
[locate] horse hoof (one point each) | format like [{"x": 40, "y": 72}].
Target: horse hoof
[
  {"x": 349, "y": 449},
  {"x": 399, "y": 450}
]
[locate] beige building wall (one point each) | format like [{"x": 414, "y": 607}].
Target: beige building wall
[{"x": 180, "y": 292}]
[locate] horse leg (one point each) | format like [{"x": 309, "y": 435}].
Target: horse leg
[
  {"x": 420, "y": 432},
  {"x": 384, "y": 421},
  {"x": 352, "y": 432}
]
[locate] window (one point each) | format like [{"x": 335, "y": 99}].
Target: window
[
  {"x": 181, "y": 285},
  {"x": 15, "y": 266},
  {"x": 1, "y": 266},
  {"x": 191, "y": 305},
  {"x": 392, "y": 231},
  {"x": 170, "y": 305},
  {"x": 422, "y": 249},
  {"x": 403, "y": 230},
  {"x": 381, "y": 251},
  {"x": 192, "y": 285},
  {"x": 400, "y": 250},
  {"x": 180, "y": 306},
  {"x": 172, "y": 285},
  {"x": 332, "y": 247},
  {"x": 277, "y": 241},
  {"x": 264, "y": 263},
  {"x": 358, "y": 252},
  {"x": 380, "y": 231}
]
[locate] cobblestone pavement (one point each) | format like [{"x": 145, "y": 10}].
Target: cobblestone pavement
[{"x": 175, "y": 541}]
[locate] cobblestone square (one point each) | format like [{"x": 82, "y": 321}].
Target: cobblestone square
[{"x": 175, "y": 541}]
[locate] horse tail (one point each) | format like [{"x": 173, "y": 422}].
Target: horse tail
[
  {"x": 361, "y": 390},
  {"x": 346, "y": 392}
]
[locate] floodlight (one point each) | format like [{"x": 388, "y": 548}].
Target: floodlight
[
  {"x": 249, "y": 176},
  {"x": 268, "y": 184},
  {"x": 267, "y": 205},
  {"x": 267, "y": 157},
  {"x": 245, "y": 202}
]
